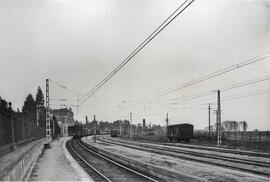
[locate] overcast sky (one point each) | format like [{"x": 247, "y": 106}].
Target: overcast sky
[{"x": 79, "y": 42}]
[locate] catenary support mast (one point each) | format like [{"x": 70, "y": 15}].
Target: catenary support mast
[
  {"x": 218, "y": 119},
  {"x": 48, "y": 129},
  {"x": 209, "y": 115}
]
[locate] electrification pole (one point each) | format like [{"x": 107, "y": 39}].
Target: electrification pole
[
  {"x": 167, "y": 121},
  {"x": 48, "y": 127},
  {"x": 209, "y": 109},
  {"x": 120, "y": 128},
  {"x": 130, "y": 124},
  {"x": 53, "y": 132},
  {"x": 218, "y": 119},
  {"x": 95, "y": 128},
  {"x": 66, "y": 127},
  {"x": 37, "y": 115}
]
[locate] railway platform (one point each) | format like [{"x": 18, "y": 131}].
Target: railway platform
[{"x": 56, "y": 164}]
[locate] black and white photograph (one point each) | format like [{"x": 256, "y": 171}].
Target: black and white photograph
[{"x": 135, "y": 90}]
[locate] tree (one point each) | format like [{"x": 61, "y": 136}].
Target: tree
[
  {"x": 41, "y": 108},
  {"x": 29, "y": 107},
  {"x": 244, "y": 125},
  {"x": 230, "y": 125},
  {"x": 39, "y": 97},
  {"x": 221, "y": 127},
  {"x": 234, "y": 125},
  {"x": 3, "y": 104},
  {"x": 226, "y": 125},
  {"x": 54, "y": 123},
  {"x": 211, "y": 128}
]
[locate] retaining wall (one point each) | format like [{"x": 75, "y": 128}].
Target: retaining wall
[{"x": 21, "y": 166}]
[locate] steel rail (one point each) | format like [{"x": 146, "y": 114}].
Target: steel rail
[
  {"x": 89, "y": 165},
  {"x": 116, "y": 163},
  {"x": 195, "y": 160},
  {"x": 213, "y": 156}
]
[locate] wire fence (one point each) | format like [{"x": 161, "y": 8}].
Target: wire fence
[
  {"x": 257, "y": 136},
  {"x": 239, "y": 136},
  {"x": 16, "y": 129}
]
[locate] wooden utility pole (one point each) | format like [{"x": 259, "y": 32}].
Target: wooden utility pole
[
  {"x": 209, "y": 119},
  {"x": 12, "y": 130},
  {"x": 120, "y": 128},
  {"x": 53, "y": 132},
  {"x": 95, "y": 128},
  {"x": 167, "y": 121},
  {"x": 130, "y": 124},
  {"x": 218, "y": 119},
  {"x": 37, "y": 115}
]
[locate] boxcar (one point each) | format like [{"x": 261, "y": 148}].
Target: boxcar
[
  {"x": 180, "y": 132},
  {"x": 114, "y": 133}
]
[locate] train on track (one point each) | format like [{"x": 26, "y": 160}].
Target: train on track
[
  {"x": 78, "y": 131},
  {"x": 180, "y": 132},
  {"x": 114, "y": 133}
]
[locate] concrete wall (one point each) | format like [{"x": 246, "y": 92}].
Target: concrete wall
[{"x": 22, "y": 166}]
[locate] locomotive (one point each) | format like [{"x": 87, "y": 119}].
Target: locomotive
[{"x": 180, "y": 132}]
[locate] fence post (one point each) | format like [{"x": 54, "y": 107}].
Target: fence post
[
  {"x": 250, "y": 136},
  {"x": 242, "y": 135},
  {"x": 234, "y": 136},
  {"x": 259, "y": 136}
]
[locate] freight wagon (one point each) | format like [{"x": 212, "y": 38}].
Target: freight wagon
[
  {"x": 77, "y": 131},
  {"x": 180, "y": 132},
  {"x": 114, "y": 133}
]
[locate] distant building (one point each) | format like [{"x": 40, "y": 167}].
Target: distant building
[{"x": 64, "y": 117}]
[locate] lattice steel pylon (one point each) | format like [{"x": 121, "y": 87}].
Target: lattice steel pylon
[{"x": 48, "y": 128}]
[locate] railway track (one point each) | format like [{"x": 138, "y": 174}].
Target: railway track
[
  {"x": 208, "y": 148},
  {"x": 260, "y": 168},
  {"x": 101, "y": 168}
]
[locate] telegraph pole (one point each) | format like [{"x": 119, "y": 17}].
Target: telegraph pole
[
  {"x": 48, "y": 127},
  {"x": 218, "y": 119},
  {"x": 130, "y": 123},
  {"x": 95, "y": 128},
  {"x": 37, "y": 115},
  {"x": 120, "y": 128},
  {"x": 209, "y": 109},
  {"x": 53, "y": 132},
  {"x": 167, "y": 121}
]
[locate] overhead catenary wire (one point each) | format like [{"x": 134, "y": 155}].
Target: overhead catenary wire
[
  {"x": 205, "y": 93},
  {"x": 164, "y": 24},
  {"x": 127, "y": 59},
  {"x": 224, "y": 99},
  {"x": 188, "y": 97},
  {"x": 209, "y": 76},
  {"x": 62, "y": 86},
  {"x": 247, "y": 94}
]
